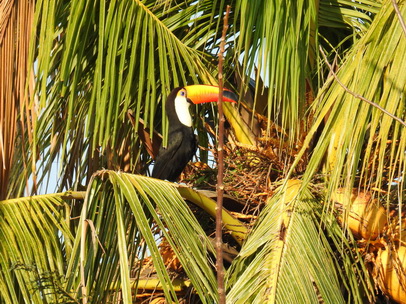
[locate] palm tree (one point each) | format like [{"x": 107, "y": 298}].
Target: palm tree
[{"x": 93, "y": 81}]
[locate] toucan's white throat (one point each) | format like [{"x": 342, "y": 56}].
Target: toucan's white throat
[{"x": 182, "y": 110}]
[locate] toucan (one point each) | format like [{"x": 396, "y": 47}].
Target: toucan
[{"x": 182, "y": 142}]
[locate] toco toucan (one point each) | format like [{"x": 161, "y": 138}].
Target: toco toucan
[{"x": 182, "y": 142}]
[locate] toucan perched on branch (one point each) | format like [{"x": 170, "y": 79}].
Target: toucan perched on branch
[{"x": 182, "y": 143}]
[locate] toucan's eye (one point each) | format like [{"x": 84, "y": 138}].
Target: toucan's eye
[{"x": 182, "y": 93}]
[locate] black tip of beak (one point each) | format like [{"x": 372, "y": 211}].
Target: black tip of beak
[{"x": 230, "y": 95}]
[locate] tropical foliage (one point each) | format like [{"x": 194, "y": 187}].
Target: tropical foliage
[{"x": 81, "y": 84}]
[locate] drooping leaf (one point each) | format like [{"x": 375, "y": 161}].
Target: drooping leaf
[
  {"x": 359, "y": 141},
  {"x": 35, "y": 242},
  {"x": 288, "y": 258},
  {"x": 126, "y": 213}
]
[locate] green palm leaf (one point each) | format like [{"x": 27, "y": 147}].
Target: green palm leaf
[
  {"x": 288, "y": 259},
  {"x": 98, "y": 60},
  {"x": 36, "y": 241},
  {"x": 122, "y": 210},
  {"x": 357, "y": 137},
  {"x": 271, "y": 41}
]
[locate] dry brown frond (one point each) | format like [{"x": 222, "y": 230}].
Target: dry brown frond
[{"x": 15, "y": 29}]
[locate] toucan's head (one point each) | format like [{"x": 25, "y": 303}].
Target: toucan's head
[{"x": 180, "y": 99}]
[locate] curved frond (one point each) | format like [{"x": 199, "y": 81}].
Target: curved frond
[
  {"x": 347, "y": 14},
  {"x": 97, "y": 61},
  {"x": 278, "y": 46},
  {"x": 15, "y": 79},
  {"x": 35, "y": 242},
  {"x": 237, "y": 229},
  {"x": 287, "y": 258},
  {"x": 277, "y": 39},
  {"x": 361, "y": 143},
  {"x": 121, "y": 224}
]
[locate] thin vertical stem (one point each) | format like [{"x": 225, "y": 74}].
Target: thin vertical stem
[
  {"x": 220, "y": 174},
  {"x": 402, "y": 22}
]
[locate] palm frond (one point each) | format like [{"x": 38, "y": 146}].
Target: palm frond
[
  {"x": 278, "y": 47},
  {"x": 15, "y": 30},
  {"x": 126, "y": 214},
  {"x": 36, "y": 241},
  {"x": 237, "y": 229},
  {"x": 280, "y": 61},
  {"x": 345, "y": 14},
  {"x": 361, "y": 143},
  {"x": 287, "y": 258},
  {"x": 98, "y": 60}
]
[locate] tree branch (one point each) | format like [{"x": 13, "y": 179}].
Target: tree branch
[
  {"x": 220, "y": 174},
  {"x": 402, "y": 22}
]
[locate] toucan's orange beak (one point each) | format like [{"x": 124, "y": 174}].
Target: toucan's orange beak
[{"x": 206, "y": 93}]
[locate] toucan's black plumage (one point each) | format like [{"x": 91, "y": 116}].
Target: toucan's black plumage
[{"x": 182, "y": 143}]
